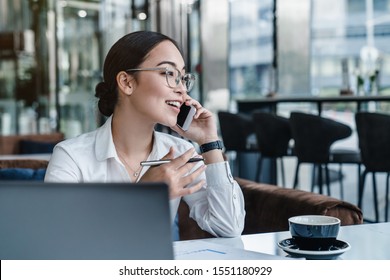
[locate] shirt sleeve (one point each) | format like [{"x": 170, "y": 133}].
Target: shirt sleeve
[
  {"x": 218, "y": 207},
  {"x": 62, "y": 167}
]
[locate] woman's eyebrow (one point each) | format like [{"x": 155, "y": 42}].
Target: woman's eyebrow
[
  {"x": 167, "y": 62},
  {"x": 170, "y": 63}
]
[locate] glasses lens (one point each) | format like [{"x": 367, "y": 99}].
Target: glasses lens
[
  {"x": 173, "y": 77},
  {"x": 188, "y": 81}
]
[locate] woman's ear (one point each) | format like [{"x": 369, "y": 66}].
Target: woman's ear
[{"x": 125, "y": 82}]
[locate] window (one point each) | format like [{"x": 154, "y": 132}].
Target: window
[{"x": 251, "y": 48}]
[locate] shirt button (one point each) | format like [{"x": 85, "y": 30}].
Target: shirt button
[{"x": 234, "y": 196}]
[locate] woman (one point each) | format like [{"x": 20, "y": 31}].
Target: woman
[{"x": 144, "y": 85}]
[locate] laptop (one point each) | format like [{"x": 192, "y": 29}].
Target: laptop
[{"x": 76, "y": 221}]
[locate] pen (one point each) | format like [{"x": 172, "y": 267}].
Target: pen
[{"x": 162, "y": 161}]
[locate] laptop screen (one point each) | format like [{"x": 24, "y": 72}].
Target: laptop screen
[{"x": 84, "y": 221}]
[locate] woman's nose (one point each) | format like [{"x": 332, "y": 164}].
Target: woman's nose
[{"x": 181, "y": 88}]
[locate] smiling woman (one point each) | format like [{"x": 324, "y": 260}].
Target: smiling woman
[{"x": 145, "y": 84}]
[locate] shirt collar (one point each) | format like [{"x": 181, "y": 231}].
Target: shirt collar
[{"x": 105, "y": 147}]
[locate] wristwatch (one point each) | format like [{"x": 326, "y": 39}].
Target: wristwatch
[{"x": 211, "y": 146}]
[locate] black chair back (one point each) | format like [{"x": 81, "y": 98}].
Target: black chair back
[
  {"x": 273, "y": 134},
  {"x": 374, "y": 140},
  {"x": 374, "y": 137},
  {"x": 313, "y": 136},
  {"x": 235, "y": 129}
]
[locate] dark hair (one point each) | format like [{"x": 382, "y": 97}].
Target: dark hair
[{"x": 128, "y": 52}]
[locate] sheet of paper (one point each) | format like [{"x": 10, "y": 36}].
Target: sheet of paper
[{"x": 202, "y": 250}]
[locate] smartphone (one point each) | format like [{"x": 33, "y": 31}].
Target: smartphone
[{"x": 185, "y": 116}]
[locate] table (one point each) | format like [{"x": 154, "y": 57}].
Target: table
[
  {"x": 367, "y": 241},
  {"x": 271, "y": 103},
  {"x": 26, "y": 156}
]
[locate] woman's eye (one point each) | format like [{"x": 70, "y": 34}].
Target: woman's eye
[{"x": 170, "y": 73}]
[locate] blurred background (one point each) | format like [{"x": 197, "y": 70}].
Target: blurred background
[{"x": 51, "y": 53}]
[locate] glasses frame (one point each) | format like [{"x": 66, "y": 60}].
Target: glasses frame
[{"x": 184, "y": 79}]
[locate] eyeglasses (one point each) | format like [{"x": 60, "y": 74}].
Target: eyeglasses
[{"x": 173, "y": 76}]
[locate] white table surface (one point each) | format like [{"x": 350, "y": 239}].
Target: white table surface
[
  {"x": 367, "y": 241},
  {"x": 26, "y": 156}
]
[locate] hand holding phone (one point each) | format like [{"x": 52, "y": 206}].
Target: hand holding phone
[{"x": 185, "y": 117}]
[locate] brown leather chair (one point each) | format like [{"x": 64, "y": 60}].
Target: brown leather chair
[
  {"x": 11, "y": 144},
  {"x": 268, "y": 208}
]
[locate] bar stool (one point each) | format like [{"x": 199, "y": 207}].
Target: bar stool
[
  {"x": 313, "y": 136},
  {"x": 345, "y": 156},
  {"x": 235, "y": 129},
  {"x": 374, "y": 138},
  {"x": 273, "y": 135}
]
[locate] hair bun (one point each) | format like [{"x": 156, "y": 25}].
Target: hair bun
[
  {"x": 107, "y": 100},
  {"x": 101, "y": 90}
]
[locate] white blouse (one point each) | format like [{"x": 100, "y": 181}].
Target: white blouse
[{"x": 91, "y": 157}]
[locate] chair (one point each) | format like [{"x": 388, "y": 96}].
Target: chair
[
  {"x": 235, "y": 129},
  {"x": 23, "y": 169},
  {"x": 345, "y": 156},
  {"x": 36, "y": 147},
  {"x": 27, "y": 144},
  {"x": 313, "y": 136},
  {"x": 374, "y": 138},
  {"x": 268, "y": 208},
  {"x": 273, "y": 135}
]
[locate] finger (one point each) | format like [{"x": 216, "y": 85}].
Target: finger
[
  {"x": 193, "y": 102},
  {"x": 192, "y": 189},
  {"x": 199, "y": 108},
  {"x": 199, "y": 112},
  {"x": 188, "y": 173},
  {"x": 190, "y": 177}
]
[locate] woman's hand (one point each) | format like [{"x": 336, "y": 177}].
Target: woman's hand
[
  {"x": 176, "y": 174},
  {"x": 203, "y": 128}
]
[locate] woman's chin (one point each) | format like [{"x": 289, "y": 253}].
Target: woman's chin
[{"x": 169, "y": 123}]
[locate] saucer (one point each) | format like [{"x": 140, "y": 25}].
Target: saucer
[{"x": 338, "y": 248}]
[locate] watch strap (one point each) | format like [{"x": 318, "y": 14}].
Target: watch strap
[{"x": 211, "y": 146}]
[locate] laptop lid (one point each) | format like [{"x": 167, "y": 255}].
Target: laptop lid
[{"x": 84, "y": 221}]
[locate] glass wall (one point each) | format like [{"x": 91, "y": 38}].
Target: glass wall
[
  {"x": 78, "y": 64},
  {"x": 323, "y": 47},
  {"x": 350, "y": 47},
  {"x": 251, "y": 48},
  {"x": 51, "y": 55},
  {"x": 51, "y": 52},
  {"x": 214, "y": 46},
  {"x": 21, "y": 85}
]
